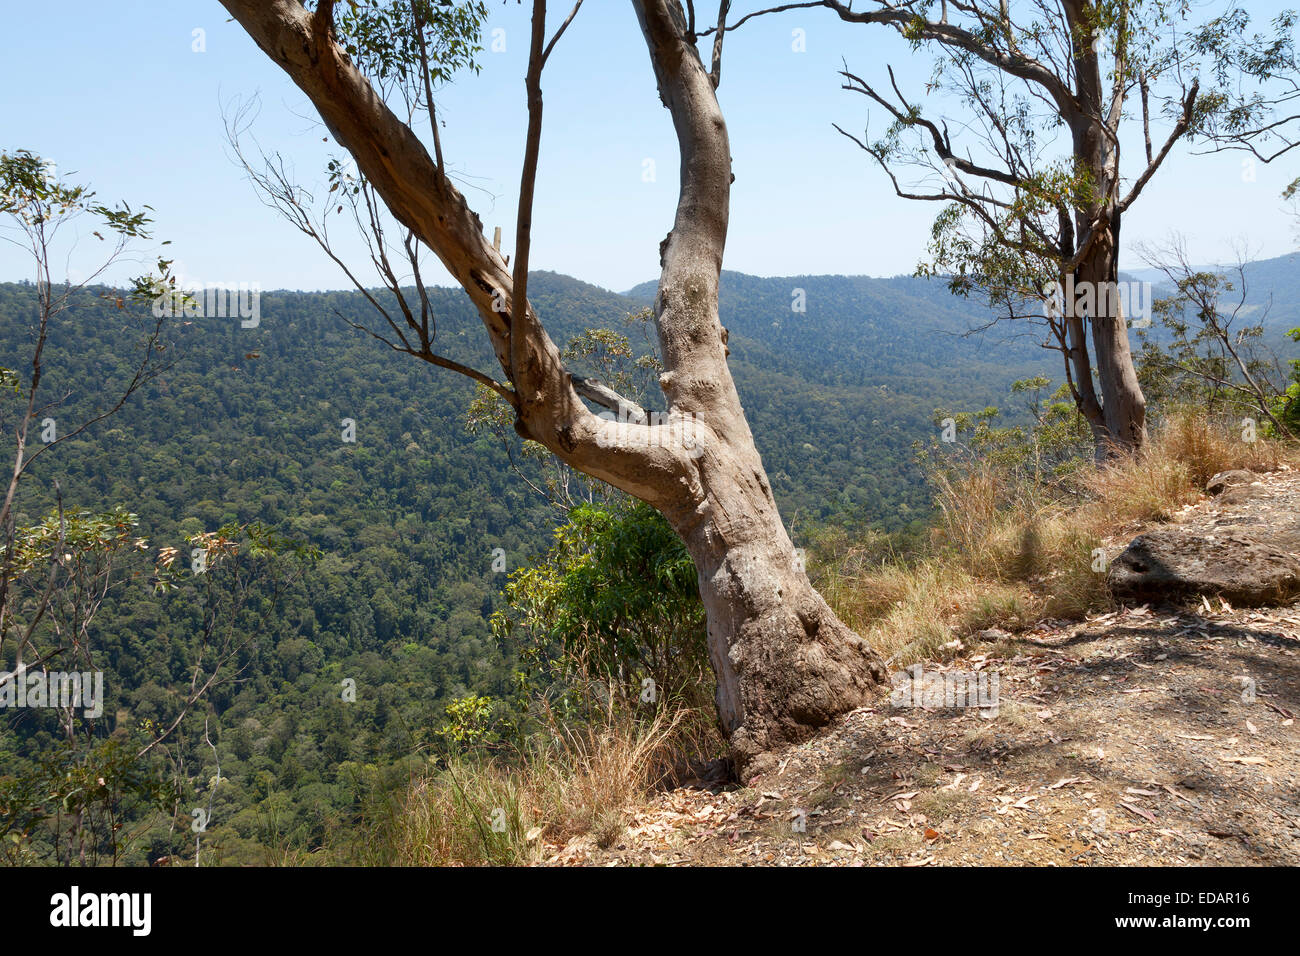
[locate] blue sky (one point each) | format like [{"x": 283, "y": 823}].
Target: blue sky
[{"x": 116, "y": 96}]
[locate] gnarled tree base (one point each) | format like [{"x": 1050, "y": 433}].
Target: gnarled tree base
[
  {"x": 786, "y": 665},
  {"x": 792, "y": 689}
]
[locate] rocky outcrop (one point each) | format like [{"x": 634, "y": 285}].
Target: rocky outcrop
[{"x": 1244, "y": 547}]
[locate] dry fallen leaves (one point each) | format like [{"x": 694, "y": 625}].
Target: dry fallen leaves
[
  {"x": 1138, "y": 811},
  {"x": 1237, "y": 758}
]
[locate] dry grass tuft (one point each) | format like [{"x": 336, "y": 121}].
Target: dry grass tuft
[
  {"x": 1007, "y": 550},
  {"x": 470, "y": 812}
]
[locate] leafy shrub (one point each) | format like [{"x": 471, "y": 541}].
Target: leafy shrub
[
  {"x": 610, "y": 614},
  {"x": 1286, "y": 407}
]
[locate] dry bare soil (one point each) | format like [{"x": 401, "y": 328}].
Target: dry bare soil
[{"x": 1157, "y": 735}]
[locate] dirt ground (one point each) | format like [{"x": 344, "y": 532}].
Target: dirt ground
[{"x": 1157, "y": 736}]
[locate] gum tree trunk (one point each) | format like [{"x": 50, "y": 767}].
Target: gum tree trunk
[
  {"x": 1109, "y": 397},
  {"x": 1122, "y": 426},
  {"x": 1115, "y": 406},
  {"x": 785, "y": 664},
  {"x": 1123, "y": 405}
]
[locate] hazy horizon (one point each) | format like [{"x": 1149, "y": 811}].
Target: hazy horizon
[{"x": 805, "y": 199}]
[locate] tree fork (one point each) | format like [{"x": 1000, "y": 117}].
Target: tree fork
[{"x": 785, "y": 664}]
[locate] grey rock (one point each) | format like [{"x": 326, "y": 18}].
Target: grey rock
[
  {"x": 1238, "y": 495},
  {"x": 1228, "y": 479},
  {"x": 1247, "y": 566}
]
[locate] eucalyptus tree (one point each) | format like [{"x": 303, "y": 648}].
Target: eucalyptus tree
[
  {"x": 784, "y": 663},
  {"x": 39, "y": 212},
  {"x": 1026, "y": 165}
]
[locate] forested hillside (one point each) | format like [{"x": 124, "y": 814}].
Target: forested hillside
[
  {"x": 1272, "y": 291},
  {"x": 247, "y": 425}
]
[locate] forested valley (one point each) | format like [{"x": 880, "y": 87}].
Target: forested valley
[
  {"x": 477, "y": 564},
  {"x": 245, "y": 426}
]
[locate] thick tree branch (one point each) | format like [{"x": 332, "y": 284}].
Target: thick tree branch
[
  {"x": 390, "y": 156},
  {"x": 690, "y": 336},
  {"x": 601, "y": 394}
]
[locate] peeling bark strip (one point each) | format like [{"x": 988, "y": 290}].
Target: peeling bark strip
[{"x": 785, "y": 663}]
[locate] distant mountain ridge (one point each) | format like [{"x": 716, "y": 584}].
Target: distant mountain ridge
[{"x": 840, "y": 375}]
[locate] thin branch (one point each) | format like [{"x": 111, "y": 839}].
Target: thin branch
[
  {"x": 519, "y": 313},
  {"x": 546, "y": 54},
  {"x": 1181, "y": 127},
  {"x": 715, "y": 74}
]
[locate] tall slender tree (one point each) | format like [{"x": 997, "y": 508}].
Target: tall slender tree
[{"x": 1029, "y": 218}]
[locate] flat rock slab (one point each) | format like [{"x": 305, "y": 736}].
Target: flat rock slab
[
  {"x": 1247, "y": 566},
  {"x": 1242, "y": 544}
]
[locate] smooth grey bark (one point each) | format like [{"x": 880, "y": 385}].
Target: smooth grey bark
[
  {"x": 785, "y": 664},
  {"x": 784, "y": 661},
  {"x": 1094, "y": 128}
]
